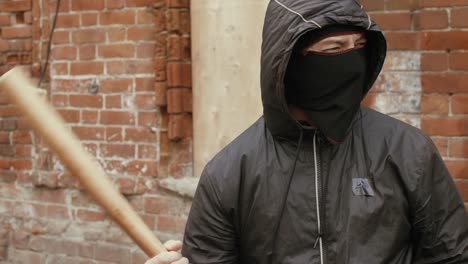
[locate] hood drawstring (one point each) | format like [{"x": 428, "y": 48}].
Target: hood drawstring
[{"x": 283, "y": 204}]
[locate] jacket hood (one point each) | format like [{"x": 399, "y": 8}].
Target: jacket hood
[{"x": 285, "y": 22}]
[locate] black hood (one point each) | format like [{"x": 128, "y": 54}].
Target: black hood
[{"x": 285, "y": 22}]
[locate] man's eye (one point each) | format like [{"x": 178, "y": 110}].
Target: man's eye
[
  {"x": 332, "y": 49},
  {"x": 361, "y": 44}
]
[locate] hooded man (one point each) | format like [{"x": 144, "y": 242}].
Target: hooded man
[{"x": 319, "y": 178}]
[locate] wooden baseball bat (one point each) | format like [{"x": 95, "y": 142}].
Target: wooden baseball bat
[{"x": 48, "y": 124}]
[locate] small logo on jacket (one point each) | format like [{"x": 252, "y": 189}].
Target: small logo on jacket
[{"x": 362, "y": 187}]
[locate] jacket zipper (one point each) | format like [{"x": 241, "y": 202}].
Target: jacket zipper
[{"x": 318, "y": 196}]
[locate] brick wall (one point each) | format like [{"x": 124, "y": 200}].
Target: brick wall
[
  {"x": 120, "y": 76},
  {"x": 425, "y": 80}
]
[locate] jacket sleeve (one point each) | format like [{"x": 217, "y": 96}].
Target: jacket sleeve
[
  {"x": 440, "y": 222},
  {"x": 209, "y": 233}
]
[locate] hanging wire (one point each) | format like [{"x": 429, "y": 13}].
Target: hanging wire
[{"x": 49, "y": 45}]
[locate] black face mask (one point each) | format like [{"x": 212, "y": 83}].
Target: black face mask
[{"x": 329, "y": 88}]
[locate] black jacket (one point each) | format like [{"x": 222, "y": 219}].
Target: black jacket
[{"x": 384, "y": 195}]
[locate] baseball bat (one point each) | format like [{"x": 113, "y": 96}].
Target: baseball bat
[{"x": 50, "y": 126}]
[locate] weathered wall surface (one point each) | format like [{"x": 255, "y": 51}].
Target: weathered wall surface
[
  {"x": 120, "y": 76},
  {"x": 426, "y": 76},
  {"x": 226, "y": 57}
]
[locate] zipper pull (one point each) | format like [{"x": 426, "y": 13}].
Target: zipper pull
[{"x": 317, "y": 240}]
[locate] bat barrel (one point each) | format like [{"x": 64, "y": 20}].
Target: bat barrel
[{"x": 50, "y": 126}]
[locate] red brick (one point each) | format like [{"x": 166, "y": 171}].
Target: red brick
[
  {"x": 459, "y": 18},
  {"x": 21, "y": 164},
  {"x": 130, "y": 67},
  {"x": 23, "y": 151},
  {"x": 442, "y": 146},
  {"x": 5, "y": 20},
  {"x": 70, "y": 116},
  {"x": 171, "y": 223},
  {"x": 147, "y": 119},
  {"x": 435, "y": 104},
  {"x": 459, "y": 60},
  {"x": 178, "y": 21},
  {"x": 80, "y": 5},
  {"x": 27, "y": 17},
  {"x": 160, "y": 66},
  {"x": 16, "y": 32},
  {"x": 144, "y": 101},
  {"x": 22, "y": 137},
  {"x": 89, "y": 133},
  {"x": 115, "y": 4},
  {"x": 444, "y": 83},
  {"x": 186, "y": 3},
  {"x": 116, "y": 50},
  {"x": 180, "y": 126},
  {"x": 178, "y": 48},
  {"x": 89, "y": 19},
  {"x": 68, "y": 21},
  {"x": 434, "y": 61},
  {"x": 179, "y": 74},
  {"x": 431, "y": 19},
  {"x": 462, "y": 186},
  {"x": 116, "y": 34},
  {"x": 117, "y": 118},
  {"x": 445, "y": 126},
  {"x": 86, "y": 101},
  {"x": 138, "y": 3},
  {"x": 60, "y": 68},
  {"x": 147, "y": 152},
  {"x": 145, "y": 50},
  {"x": 64, "y": 53},
  {"x": 82, "y": 68},
  {"x": 162, "y": 205},
  {"x": 116, "y": 85},
  {"x": 112, "y": 253},
  {"x": 4, "y": 45},
  {"x": 114, "y": 134},
  {"x": 118, "y": 150},
  {"x": 60, "y": 100},
  {"x": 89, "y": 35},
  {"x": 89, "y": 117},
  {"x": 142, "y": 168},
  {"x": 61, "y": 37},
  {"x": 125, "y": 17},
  {"x": 459, "y": 149},
  {"x": 144, "y": 84},
  {"x": 113, "y": 101},
  {"x": 402, "y": 40},
  {"x": 145, "y": 17},
  {"x": 87, "y": 52},
  {"x": 140, "y": 33},
  {"x": 458, "y": 168},
  {"x": 443, "y": 40},
  {"x": 8, "y": 111},
  {"x": 393, "y": 21},
  {"x": 443, "y": 3},
  {"x": 401, "y": 4},
  {"x": 460, "y": 104},
  {"x": 57, "y": 212},
  {"x": 141, "y": 134},
  {"x": 15, "y": 6},
  {"x": 90, "y": 216}
]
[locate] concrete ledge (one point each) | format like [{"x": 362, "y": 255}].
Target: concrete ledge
[{"x": 183, "y": 186}]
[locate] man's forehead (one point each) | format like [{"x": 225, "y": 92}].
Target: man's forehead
[{"x": 339, "y": 37}]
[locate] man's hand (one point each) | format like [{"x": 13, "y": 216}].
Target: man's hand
[{"x": 171, "y": 257}]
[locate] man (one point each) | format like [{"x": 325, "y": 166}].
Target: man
[{"x": 320, "y": 179}]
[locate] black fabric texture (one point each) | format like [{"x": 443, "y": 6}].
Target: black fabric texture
[
  {"x": 328, "y": 88},
  {"x": 385, "y": 195}
]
